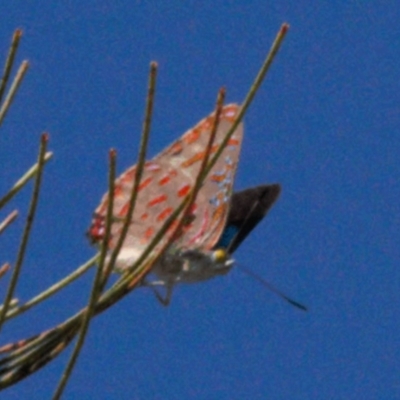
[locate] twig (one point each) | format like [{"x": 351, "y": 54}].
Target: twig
[
  {"x": 252, "y": 92},
  {"x": 8, "y": 220},
  {"x": 141, "y": 160},
  {"x": 13, "y": 303},
  {"x": 23, "y": 180},
  {"x": 107, "y": 269},
  {"x": 99, "y": 282},
  {"x": 10, "y": 61},
  {"x": 52, "y": 289},
  {"x": 200, "y": 176},
  {"x": 4, "y": 269},
  {"x": 13, "y": 90},
  {"x": 27, "y": 230}
]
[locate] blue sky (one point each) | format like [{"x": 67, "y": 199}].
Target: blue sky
[{"x": 325, "y": 124}]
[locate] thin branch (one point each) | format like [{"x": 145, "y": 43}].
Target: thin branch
[
  {"x": 252, "y": 92},
  {"x": 36, "y": 352},
  {"x": 27, "y": 229},
  {"x": 13, "y": 90},
  {"x": 10, "y": 61},
  {"x": 4, "y": 269},
  {"x": 8, "y": 220},
  {"x": 53, "y": 289},
  {"x": 110, "y": 208},
  {"x": 141, "y": 160},
  {"x": 200, "y": 176},
  {"x": 29, "y": 351},
  {"x": 276, "y": 45},
  {"x": 13, "y": 303},
  {"x": 99, "y": 282},
  {"x": 23, "y": 181}
]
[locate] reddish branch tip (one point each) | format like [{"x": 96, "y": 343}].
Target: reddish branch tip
[
  {"x": 112, "y": 153},
  {"x": 45, "y": 137},
  {"x": 222, "y": 92},
  {"x": 153, "y": 65},
  {"x": 4, "y": 268},
  {"x": 17, "y": 33},
  {"x": 284, "y": 28}
]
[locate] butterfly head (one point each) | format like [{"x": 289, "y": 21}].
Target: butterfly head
[{"x": 220, "y": 256}]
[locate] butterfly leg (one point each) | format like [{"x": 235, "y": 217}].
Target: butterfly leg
[{"x": 169, "y": 286}]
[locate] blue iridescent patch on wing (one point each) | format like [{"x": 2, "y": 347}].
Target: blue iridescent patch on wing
[{"x": 227, "y": 236}]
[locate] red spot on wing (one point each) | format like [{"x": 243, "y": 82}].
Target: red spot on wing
[
  {"x": 97, "y": 229},
  {"x": 206, "y": 124},
  {"x": 217, "y": 177},
  {"x": 147, "y": 235},
  {"x": 218, "y": 213},
  {"x": 192, "y": 136},
  {"x": 118, "y": 190},
  {"x": 164, "y": 214},
  {"x": 144, "y": 216},
  {"x": 157, "y": 200},
  {"x": 233, "y": 142},
  {"x": 176, "y": 148},
  {"x": 145, "y": 183},
  {"x": 128, "y": 176},
  {"x": 184, "y": 190},
  {"x": 220, "y": 197},
  {"x": 102, "y": 207},
  {"x": 124, "y": 210},
  {"x": 198, "y": 157},
  {"x": 164, "y": 180}
]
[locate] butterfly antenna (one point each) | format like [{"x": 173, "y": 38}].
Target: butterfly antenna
[{"x": 272, "y": 288}]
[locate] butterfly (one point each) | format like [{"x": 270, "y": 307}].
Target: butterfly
[{"x": 218, "y": 221}]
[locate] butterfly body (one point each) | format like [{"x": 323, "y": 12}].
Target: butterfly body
[{"x": 191, "y": 266}]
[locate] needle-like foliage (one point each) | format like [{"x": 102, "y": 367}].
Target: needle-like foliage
[{"x": 24, "y": 357}]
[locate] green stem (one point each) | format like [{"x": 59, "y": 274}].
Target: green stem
[
  {"x": 27, "y": 230},
  {"x": 10, "y": 61},
  {"x": 8, "y": 220},
  {"x": 23, "y": 180},
  {"x": 99, "y": 282},
  {"x": 53, "y": 289},
  {"x": 13, "y": 90}
]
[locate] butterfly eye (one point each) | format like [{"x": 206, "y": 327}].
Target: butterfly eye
[{"x": 220, "y": 255}]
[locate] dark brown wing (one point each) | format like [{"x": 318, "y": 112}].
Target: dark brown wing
[{"x": 248, "y": 207}]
